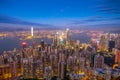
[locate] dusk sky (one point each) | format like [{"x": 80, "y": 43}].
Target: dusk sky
[{"x": 60, "y": 13}]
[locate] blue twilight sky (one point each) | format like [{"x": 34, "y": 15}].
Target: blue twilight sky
[{"x": 60, "y": 13}]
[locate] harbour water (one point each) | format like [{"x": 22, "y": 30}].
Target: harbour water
[{"x": 9, "y": 43}]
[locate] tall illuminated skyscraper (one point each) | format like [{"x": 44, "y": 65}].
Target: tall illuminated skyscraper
[
  {"x": 32, "y": 31},
  {"x": 33, "y": 40},
  {"x": 67, "y": 38},
  {"x": 67, "y": 34},
  {"x": 103, "y": 43},
  {"x": 55, "y": 40}
]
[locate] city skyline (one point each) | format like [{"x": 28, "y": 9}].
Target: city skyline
[
  {"x": 59, "y": 40},
  {"x": 60, "y": 13},
  {"x": 64, "y": 58}
]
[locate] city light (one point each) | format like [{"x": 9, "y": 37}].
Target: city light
[
  {"x": 24, "y": 43},
  {"x": 62, "y": 57},
  {"x": 67, "y": 29},
  {"x": 32, "y": 34},
  {"x": 59, "y": 39}
]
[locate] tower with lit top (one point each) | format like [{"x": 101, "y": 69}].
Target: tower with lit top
[
  {"x": 67, "y": 37},
  {"x": 32, "y": 35},
  {"x": 32, "y": 32},
  {"x": 67, "y": 34}
]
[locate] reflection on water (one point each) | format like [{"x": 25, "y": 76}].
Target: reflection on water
[{"x": 10, "y": 43}]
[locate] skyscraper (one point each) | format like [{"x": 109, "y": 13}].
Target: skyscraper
[
  {"x": 117, "y": 41},
  {"x": 32, "y": 32},
  {"x": 67, "y": 34},
  {"x": 98, "y": 61},
  {"x": 111, "y": 45},
  {"x": 70, "y": 63},
  {"x": 117, "y": 56},
  {"x": 42, "y": 44},
  {"x": 61, "y": 69},
  {"x": 67, "y": 37},
  {"x": 13, "y": 70},
  {"x": 48, "y": 73},
  {"x": 55, "y": 39},
  {"x": 26, "y": 68},
  {"x": 103, "y": 43}
]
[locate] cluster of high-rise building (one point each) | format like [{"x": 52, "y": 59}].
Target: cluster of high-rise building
[{"x": 64, "y": 59}]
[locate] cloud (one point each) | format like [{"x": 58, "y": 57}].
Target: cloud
[
  {"x": 108, "y": 6},
  {"x": 11, "y": 20},
  {"x": 89, "y": 19},
  {"x": 96, "y": 21},
  {"x": 102, "y": 27},
  {"x": 109, "y": 10}
]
